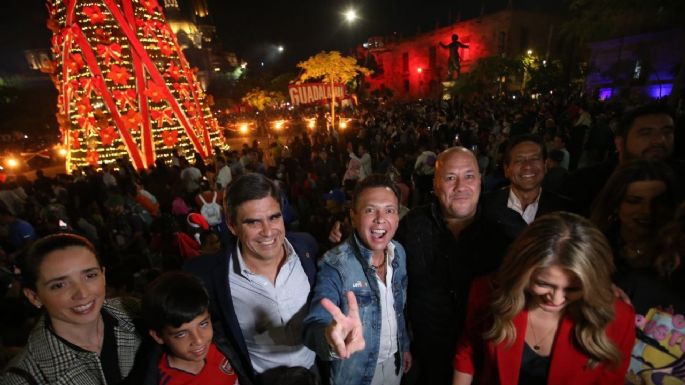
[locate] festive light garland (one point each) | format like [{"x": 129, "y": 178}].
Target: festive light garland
[{"x": 125, "y": 87}]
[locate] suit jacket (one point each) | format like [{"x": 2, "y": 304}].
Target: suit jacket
[
  {"x": 509, "y": 222},
  {"x": 213, "y": 270},
  {"x": 500, "y": 364}
]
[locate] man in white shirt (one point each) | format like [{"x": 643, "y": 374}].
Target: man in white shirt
[
  {"x": 223, "y": 173},
  {"x": 260, "y": 288},
  {"x": 511, "y": 209},
  {"x": 365, "y": 159}
]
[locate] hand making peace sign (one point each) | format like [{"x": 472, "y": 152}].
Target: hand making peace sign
[{"x": 345, "y": 334}]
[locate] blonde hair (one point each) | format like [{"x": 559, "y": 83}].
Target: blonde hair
[{"x": 576, "y": 245}]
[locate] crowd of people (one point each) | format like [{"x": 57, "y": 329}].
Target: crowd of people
[{"x": 484, "y": 241}]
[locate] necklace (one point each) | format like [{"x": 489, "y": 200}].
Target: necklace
[
  {"x": 538, "y": 342},
  {"x": 381, "y": 263}
]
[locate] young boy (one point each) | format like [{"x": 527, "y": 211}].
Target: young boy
[{"x": 175, "y": 309}]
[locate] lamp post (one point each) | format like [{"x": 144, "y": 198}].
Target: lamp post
[{"x": 350, "y": 15}]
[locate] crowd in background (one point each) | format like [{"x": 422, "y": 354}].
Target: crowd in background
[{"x": 144, "y": 222}]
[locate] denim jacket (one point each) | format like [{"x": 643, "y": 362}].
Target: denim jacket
[{"x": 341, "y": 269}]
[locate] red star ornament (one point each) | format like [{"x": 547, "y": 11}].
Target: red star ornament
[
  {"x": 94, "y": 14},
  {"x": 149, "y": 27},
  {"x": 118, "y": 75},
  {"x": 86, "y": 85},
  {"x": 132, "y": 120},
  {"x": 154, "y": 92},
  {"x": 165, "y": 48},
  {"x": 183, "y": 90},
  {"x": 107, "y": 135},
  {"x": 92, "y": 157},
  {"x": 126, "y": 98},
  {"x": 150, "y": 5},
  {"x": 83, "y": 106},
  {"x": 87, "y": 123},
  {"x": 102, "y": 35},
  {"x": 190, "y": 108},
  {"x": 170, "y": 137},
  {"x": 75, "y": 141},
  {"x": 173, "y": 71}
]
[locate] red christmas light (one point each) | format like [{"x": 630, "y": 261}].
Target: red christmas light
[{"x": 125, "y": 89}]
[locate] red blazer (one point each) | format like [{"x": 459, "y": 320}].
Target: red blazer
[{"x": 499, "y": 364}]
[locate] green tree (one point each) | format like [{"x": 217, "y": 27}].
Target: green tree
[
  {"x": 331, "y": 67},
  {"x": 547, "y": 76},
  {"x": 490, "y": 74},
  {"x": 261, "y": 99}
]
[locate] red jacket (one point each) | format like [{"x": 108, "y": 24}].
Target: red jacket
[{"x": 500, "y": 364}]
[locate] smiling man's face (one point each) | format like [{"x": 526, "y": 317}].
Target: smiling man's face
[{"x": 259, "y": 227}]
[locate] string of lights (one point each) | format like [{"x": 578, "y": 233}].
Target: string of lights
[{"x": 125, "y": 87}]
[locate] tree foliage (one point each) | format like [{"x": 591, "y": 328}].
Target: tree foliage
[
  {"x": 331, "y": 67},
  {"x": 487, "y": 74},
  {"x": 547, "y": 77},
  {"x": 261, "y": 99}
]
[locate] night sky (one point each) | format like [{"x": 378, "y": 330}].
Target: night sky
[{"x": 254, "y": 28}]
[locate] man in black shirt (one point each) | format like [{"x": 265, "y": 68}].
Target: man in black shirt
[{"x": 447, "y": 245}]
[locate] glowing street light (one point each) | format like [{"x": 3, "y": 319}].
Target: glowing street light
[
  {"x": 243, "y": 127},
  {"x": 350, "y": 15},
  {"x": 11, "y": 162},
  {"x": 311, "y": 123},
  {"x": 278, "y": 124},
  {"x": 529, "y": 52},
  {"x": 280, "y": 48}
]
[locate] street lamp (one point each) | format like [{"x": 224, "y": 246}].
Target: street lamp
[
  {"x": 350, "y": 15},
  {"x": 243, "y": 127},
  {"x": 280, "y": 48}
]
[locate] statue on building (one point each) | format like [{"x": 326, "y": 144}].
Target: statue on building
[{"x": 454, "y": 61}]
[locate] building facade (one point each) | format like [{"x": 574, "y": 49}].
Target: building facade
[
  {"x": 415, "y": 67},
  {"x": 643, "y": 65}
]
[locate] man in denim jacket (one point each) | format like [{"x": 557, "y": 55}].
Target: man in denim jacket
[{"x": 370, "y": 270}]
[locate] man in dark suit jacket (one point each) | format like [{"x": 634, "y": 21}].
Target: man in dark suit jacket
[
  {"x": 259, "y": 289},
  {"x": 511, "y": 209}
]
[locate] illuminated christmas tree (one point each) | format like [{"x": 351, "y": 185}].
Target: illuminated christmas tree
[{"x": 125, "y": 87}]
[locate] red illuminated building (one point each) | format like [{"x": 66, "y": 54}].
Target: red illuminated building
[{"x": 414, "y": 67}]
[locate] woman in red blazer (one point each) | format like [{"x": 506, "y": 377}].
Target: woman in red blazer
[{"x": 549, "y": 315}]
